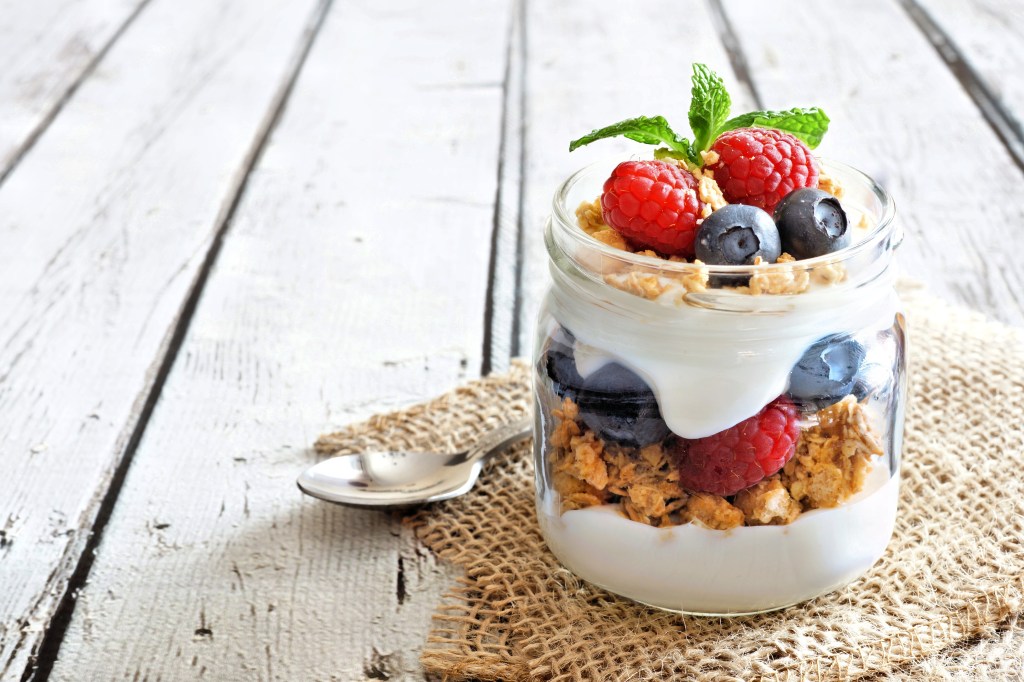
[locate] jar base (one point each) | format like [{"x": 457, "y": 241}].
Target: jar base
[
  {"x": 726, "y": 613},
  {"x": 731, "y": 614},
  {"x": 694, "y": 570}
]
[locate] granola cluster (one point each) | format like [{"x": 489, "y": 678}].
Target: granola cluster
[
  {"x": 833, "y": 458},
  {"x": 830, "y": 465},
  {"x": 826, "y": 183},
  {"x": 637, "y": 282},
  {"x": 587, "y": 471}
]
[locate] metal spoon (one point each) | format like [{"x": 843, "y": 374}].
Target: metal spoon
[{"x": 384, "y": 479}]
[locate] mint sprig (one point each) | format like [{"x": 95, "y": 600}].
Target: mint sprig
[{"x": 709, "y": 117}]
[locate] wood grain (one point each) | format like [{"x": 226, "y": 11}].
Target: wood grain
[
  {"x": 899, "y": 114},
  {"x": 988, "y": 36},
  {"x": 105, "y": 225},
  {"x": 584, "y": 71},
  {"x": 352, "y": 280},
  {"x": 46, "y": 48}
]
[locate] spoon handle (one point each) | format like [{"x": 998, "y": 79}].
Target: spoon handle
[{"x": 501, "y": 437}]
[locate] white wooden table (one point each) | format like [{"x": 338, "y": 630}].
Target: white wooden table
[{"x": 227, "y": 226}]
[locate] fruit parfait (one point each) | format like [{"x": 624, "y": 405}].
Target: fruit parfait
[{"x": 720, "y": 370}]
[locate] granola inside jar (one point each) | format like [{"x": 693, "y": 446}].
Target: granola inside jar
[{"x": 718, "y": 439}]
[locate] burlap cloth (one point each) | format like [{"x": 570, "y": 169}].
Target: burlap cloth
[{"x": 941, "y": 604}]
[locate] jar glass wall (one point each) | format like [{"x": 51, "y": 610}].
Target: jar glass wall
[{"x": 725, "y": 439}]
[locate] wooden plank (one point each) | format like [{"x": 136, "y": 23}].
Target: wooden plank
[
  {"x": 981, "y": 41},
  {"x": 46, "y": 48},
  {"x": 585, "y": 69},
  {"x": 105, "y": 225},
  {"x": 352, "y": 280},
  {"x": 899, "y": 114}
]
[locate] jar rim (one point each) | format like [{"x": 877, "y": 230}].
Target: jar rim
[{"x": 567, "y": 224}]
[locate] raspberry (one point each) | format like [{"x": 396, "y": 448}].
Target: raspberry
[
  {"x": 653, "y": 204},
  {"x": 759, "y": 166},
  {"x": 742, "y": 455}
]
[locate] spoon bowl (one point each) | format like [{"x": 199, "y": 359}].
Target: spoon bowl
[{"x": 388, "y": 479}]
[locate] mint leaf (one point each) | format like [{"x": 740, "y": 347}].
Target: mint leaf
[
  {"x": 642, "y": 137},
  {"x": 645, "y": 129},
  {"x": 810, "y": 125},
  {"x": 709, "y": 105},
  {"x": 663, "y": 153}
]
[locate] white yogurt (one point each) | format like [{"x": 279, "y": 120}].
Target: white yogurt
[{"x": 748, "y": 569}]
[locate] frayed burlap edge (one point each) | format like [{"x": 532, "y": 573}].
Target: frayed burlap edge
[{"x": 517, "y": 615}]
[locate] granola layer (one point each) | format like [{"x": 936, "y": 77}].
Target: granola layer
[{"x": 830, "y": 465}]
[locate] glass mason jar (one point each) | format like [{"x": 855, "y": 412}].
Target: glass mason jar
[{"x": 669, "y": 394}]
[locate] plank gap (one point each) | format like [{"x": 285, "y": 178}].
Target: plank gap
[
  {"x": 37, "y": 132},
  {"x": 487, "y": 354},
  {"x": 1003, "y": 124},
  {"x": 517, "y": 300},
  {"x": 42, "y": 661},
  {"x": 400, "y": 591},
  {"x": 733, "y": 49}
]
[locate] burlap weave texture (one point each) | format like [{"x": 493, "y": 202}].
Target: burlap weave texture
[{"x": 941, "y": 604}]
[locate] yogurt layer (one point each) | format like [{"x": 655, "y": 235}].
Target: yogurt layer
[
  {"x": 749, "y": 569},
  {"x": 709, "y": 368}
]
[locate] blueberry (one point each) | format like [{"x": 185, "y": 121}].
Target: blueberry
[
  {"x": 737, "y": 234},
  {"x": 873, "y": 380},
  {"x": 811, "y": 223},
  {"x": 617, "y": 405},
  {"x": 560, "y": 364},
  {"x": 827, "y": 371}
]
